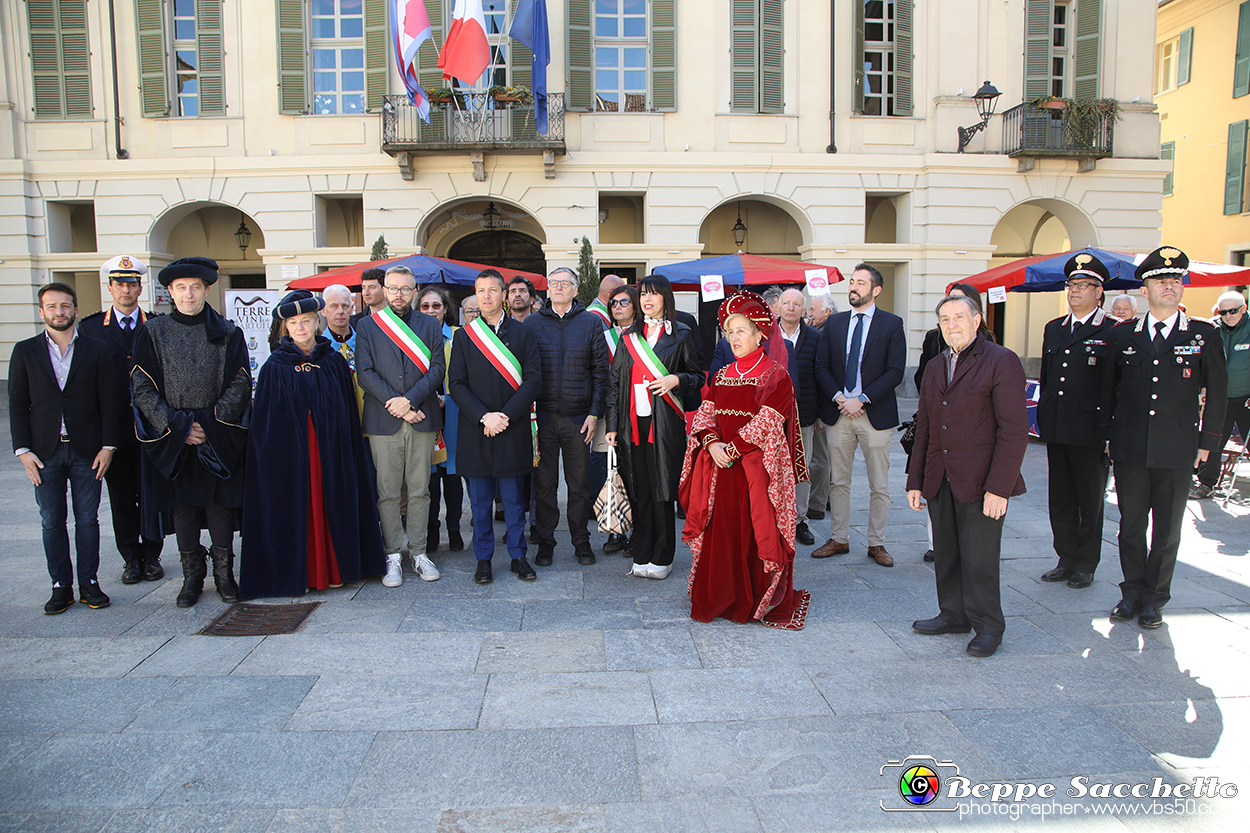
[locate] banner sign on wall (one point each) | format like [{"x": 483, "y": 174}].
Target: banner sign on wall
[{"x": 252, "y": 311}]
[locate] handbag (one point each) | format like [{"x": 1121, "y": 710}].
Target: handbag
[
  {"x": 612, "y": 509},
  {"x": 908, "y": 438}
]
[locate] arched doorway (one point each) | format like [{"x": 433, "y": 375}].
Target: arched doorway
[
  {"x": 502, "y": 248},
  {"x": 205, "y": 229},
  {"x": 1037, "y": 227}
]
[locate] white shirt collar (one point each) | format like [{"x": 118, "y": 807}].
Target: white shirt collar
[{"x": 1168, "y": 323}]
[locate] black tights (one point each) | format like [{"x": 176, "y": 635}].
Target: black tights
[{"x": 189, "y": 520}]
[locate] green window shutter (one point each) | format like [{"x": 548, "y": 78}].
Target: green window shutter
[
  {"x": 1235, "y": 170},
  {"x": 581, "y": 56},
  {"x": 430, "y": 76},
  {"x": 292, "y": 58},
  {"x": 1038, "y": 15},
  {"x": 1167, "y": 152},
  {"x": 377, "y": 67},
  {"x": 663, "y": 55},
  {"x": 1185, "y": 60},
  {"x": 772, "y": 57},
  {"x": 60, "y": 58},
  {"x": 857, "y": 55},
  {"x": 211, "y": 56},
  {"x": 902, "y": 58},
  {"x": 743, "y": 56},
  {"x": 521, "y": 64},
  {"x": 153, "y": 69},
  {"x": 1085, "y": 62},
  {"x": 1241, "y": 69}
]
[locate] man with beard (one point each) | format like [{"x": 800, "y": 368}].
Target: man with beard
[
  {"x": 192, "y": 389},
  {"x": 521, "y": 297},
  {"x": 117, "y": 326},
  {"x": 63, "y": 417},
  {"x": 400, "y": 364}
]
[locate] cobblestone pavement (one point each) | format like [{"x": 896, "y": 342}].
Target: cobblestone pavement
[{"x": 589, "y": 701}]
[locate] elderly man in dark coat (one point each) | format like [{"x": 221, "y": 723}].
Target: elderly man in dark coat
[
  {"x": 971, "y": 435},
  {"x": 494, "y": 377}
]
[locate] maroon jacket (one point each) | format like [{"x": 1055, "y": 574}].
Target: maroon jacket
[{"x": 974, "y": 430}]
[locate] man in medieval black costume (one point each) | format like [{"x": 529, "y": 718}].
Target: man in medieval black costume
[{"x": 192, "y": 394}]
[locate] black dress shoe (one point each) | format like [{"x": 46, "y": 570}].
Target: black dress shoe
[
  {"x": 984, "y": 644},
  {"x": 543, "y": 559},
  {"x": 62, "y": 598},
  {"x": 1057, "y": 574},
  {"x": 804, "y": 535},
  {"x": 928, "y": 556},
  {"x": 615, "y": 543},
  {"x": 1125, "y": 610},
  {"x": 152, "y": 569},
  {"x": 431, "y": 539},
  {"x": 942, "y": 623},
  {"x": 483, "y": 574},
  {"x": 585, "y": 557},
  {"x": 1151, "y": 617},
  {"x": 681, "y": 513},
  {"x": 455, "y": 542},
  {"x": 815, "y": 515},
  {"x": 499, "y": 516},
  {"x": 93, "y": 597},
  {"x": 1080, "y": 580},
  {"x": 523, "y": 569},
  {"x": 132, "y": 573}
]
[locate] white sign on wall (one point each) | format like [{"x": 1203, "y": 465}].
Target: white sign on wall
[{"x": 252, "y": 311}]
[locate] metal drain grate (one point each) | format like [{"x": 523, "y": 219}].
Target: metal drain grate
[{"x": 259, "y": 620}]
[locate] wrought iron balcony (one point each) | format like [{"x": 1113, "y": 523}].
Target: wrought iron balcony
[
  {"x": 1081, "y": 129},
  {"x": 471, "y": 123}
]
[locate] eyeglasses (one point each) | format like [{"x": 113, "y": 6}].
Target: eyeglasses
[
  {"x": 472, "y": 313},
  {"x": 620, "y": 302},
  {"x": 1082, "y": 284},
  {"x": 561, "y": 284},
  {"x": 1232, "y": 311},
  {"x": 400, "y": 290},
  {"x": 431, "y": 305}
]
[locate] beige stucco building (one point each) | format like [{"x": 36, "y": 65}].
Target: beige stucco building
[{"x": 829, "y": 128}]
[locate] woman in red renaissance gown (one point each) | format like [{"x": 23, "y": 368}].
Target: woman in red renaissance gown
[{"x": 737, "y": 484}]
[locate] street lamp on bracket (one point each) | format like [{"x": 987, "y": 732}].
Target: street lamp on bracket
[{"x": 985, "y": 98}]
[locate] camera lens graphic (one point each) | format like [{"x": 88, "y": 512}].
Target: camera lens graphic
[{"x": 919, "y": 785}]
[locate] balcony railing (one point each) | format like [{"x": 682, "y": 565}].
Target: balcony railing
[
  {"x": 471, "y": 123},
  {"x": 1082, "y": 129}
]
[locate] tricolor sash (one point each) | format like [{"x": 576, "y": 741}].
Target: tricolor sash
[
  {"x": 613, "y": 337},
  {"x": 641, "y": 350},
  {"x": 598, "y": 308},
  {"x": 398, "y": 331},
  {"x": 505, "y": 361}
]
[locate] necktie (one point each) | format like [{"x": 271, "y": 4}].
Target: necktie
[
  {"x": 1075, "y": 324},
  {"x": 128, "y": 330},
  {"x": 1158, "y": 339},
  {"x": 852, "y": 358}
]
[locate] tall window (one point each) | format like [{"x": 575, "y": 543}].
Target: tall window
[
  {"x": 883, "y": 44},
  {"x": 181, "y": 57},
  {"x": 757, "y": 56},
  {"x": 621, "y": 36},
  {"x": 1059, "y": 50},
  {"x": 1062, "y": 48},
  {"x": 337, "y": 44},
  {"x": 188, "y": 95}
]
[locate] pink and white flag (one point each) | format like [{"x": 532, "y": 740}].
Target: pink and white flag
[
  {"x": 410, "y": 24},
  {"x": 466, "y": 52}
]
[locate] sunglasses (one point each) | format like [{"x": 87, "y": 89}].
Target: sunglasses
[
  {"x": 435, "y": 305},
  {"x": 1232, "y": 311},
  {"x": 620, "y": 302}
]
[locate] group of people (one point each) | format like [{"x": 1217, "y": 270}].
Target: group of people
[{"x": 361, "y": 425}]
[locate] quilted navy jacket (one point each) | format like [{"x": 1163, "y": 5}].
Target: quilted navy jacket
[{"x": 575, "y": 361}]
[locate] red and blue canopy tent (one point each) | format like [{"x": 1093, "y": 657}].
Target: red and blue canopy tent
[
  {"x": 743, "y": 270},
  {"x": 1044, "y": 273},
  {"x": 427, "y": 268}
]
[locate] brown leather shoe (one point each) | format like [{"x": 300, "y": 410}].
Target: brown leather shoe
[
  {"x": 879, "y": 555},
  {"x": 830, "y": 547}
]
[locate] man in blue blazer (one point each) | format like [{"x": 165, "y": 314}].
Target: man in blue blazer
[
  {"x": 860, "y": 363},
  {"x": 401, "y": 416}
]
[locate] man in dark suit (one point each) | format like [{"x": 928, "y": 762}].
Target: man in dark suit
[
  {"x": 1074, "y": 353},
  {"x": 372, "y": 293},
  {"x": 494, "y": 378},
  {"x": 862, "y": 356},
  {"x": 401, "y": 416},
  {"x": 1157, "y": 367},
  {"x": 63, "y": 416},
  {"x": 805, "y": 341},
  {"x": 117, "y": 327},
  {"x": 971, "y": 435}
]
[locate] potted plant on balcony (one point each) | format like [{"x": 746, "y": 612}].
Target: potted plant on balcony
[
  {"x": 511, "y": 95},
  {"x": 445, "y": 95}
]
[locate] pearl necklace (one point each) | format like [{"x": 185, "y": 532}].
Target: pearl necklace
[{"x": 742, "y": 375}]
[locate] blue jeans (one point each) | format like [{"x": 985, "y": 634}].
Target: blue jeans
[
  {"x": 66, "y": 467},
  {"x": 482, "y": 504}
]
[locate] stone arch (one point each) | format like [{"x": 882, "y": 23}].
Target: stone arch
[
  {"x": 781, "y": 226},
  {"x": 205, "y": 228},
  {"x": 447, "y": 224}
]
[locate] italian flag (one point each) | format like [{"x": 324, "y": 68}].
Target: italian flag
[
  {"x": 398, "y": 331},
  {"x": 466, "y": 52}
]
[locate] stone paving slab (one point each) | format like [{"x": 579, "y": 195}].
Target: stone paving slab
[
  {"x": 646, "y": 650},
  {"x": 542, "y": 652},
  {"x": 685, "y": 815},
  {"x": 462, "y": 615},
  {"x": 197, "y": 656},
  {"x": 91, "y": 657},
  {"x": 77, "y": 704},
  {"x": 498, "y": 768},
  {"x": 596, "y": 698},
  {"x": 252, "y": 704},
  {"x": 721, "y": 694},
  {"x": 361, "y": 654},
  {"x": 427, "y": 702}
]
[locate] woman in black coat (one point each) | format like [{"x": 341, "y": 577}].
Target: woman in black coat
[{"x": 654, "y": 368}]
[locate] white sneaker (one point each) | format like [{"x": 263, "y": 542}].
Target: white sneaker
[
  {"x": 394, "y": 571},
  {"x": 424, "y": 568},
  {"x": 639, "y": 570},
  {"x": 655, "y": 571}
]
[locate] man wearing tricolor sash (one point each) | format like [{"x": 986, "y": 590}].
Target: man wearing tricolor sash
[
  {"x": 494, "y": 378},
  {"x": 400, "y": 365}
]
